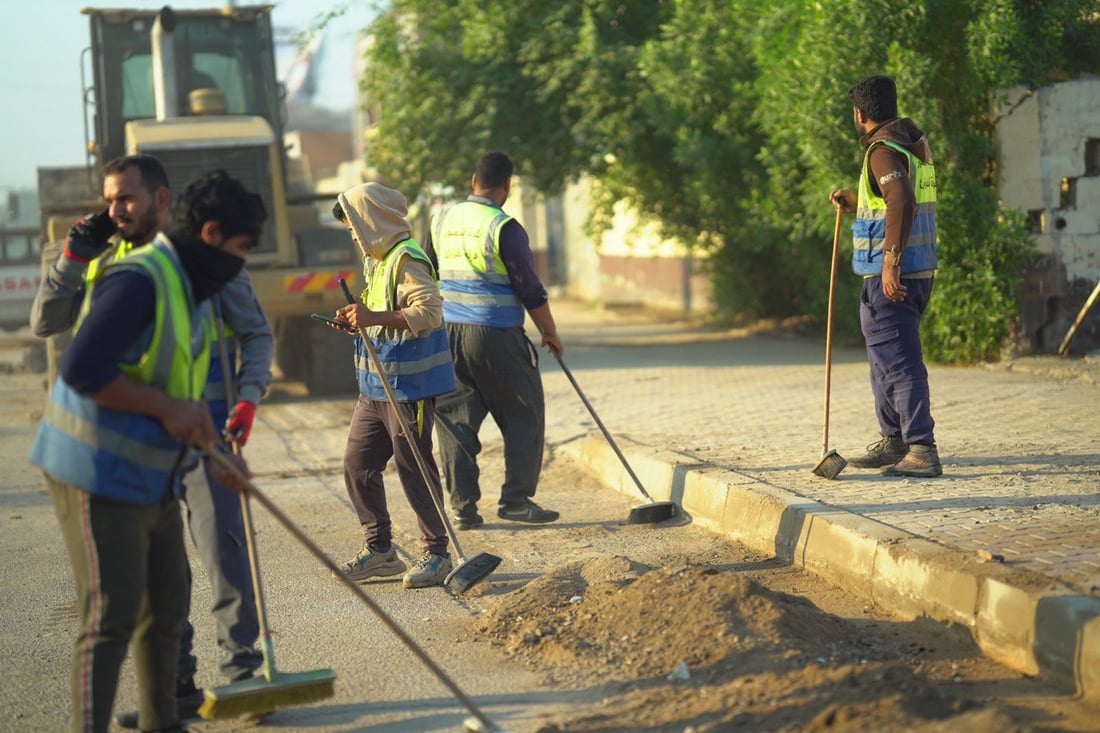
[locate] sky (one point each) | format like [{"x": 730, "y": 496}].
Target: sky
[{"x": 41, "y": 41}]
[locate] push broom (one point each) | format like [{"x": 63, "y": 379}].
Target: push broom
[
  {"x": 654, "y": 511},
  {"x": 469, "y": 570},
  {"x": 479, "y": 722},
  {"x": 274, "y": 689},
  {"x": 831, "y": 463}
]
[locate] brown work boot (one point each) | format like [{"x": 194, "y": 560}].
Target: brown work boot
[
  {"x": 885, "y": 452},
  {"x": 922, "y": 461}
]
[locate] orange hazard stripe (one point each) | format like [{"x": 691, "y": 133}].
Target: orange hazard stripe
[{"x": 314, "y": 282}]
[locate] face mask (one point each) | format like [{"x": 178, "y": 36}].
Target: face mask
[{"x": 208, "y": 267}]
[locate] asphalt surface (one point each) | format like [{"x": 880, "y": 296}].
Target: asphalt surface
[{"x": 727, "y": 423}]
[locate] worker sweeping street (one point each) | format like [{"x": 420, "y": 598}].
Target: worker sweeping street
[
  {"x": 489, "y": 284},
  {"x": 402, "y": 314},
  {"x": 895, "y": 252},
  {"x": 137, "y": 194},
  {"x": 117, "y": 436}
]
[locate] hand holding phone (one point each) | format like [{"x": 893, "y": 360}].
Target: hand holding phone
[{"x": 342, "y": 325}]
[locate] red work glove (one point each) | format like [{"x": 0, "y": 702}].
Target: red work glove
[{"x": 239, "y": 424}]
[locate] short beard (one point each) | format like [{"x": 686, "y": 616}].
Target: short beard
[{"x": 145, "y": 229}]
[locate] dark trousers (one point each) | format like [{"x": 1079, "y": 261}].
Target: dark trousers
[
  {"x": 899, "y": 379},
  {"x": 374, "y": 437},
  {"x": 130, "y": 568},
  {"x": 496, "y": 373},
  {"x": 217, "y": 531}
]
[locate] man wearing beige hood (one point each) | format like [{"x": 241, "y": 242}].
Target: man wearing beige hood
[{"x": 402, "y": 312}]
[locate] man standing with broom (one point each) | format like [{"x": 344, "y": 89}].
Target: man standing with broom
[
  {"x": 402, "y": 314},
  {"x": 136, "y": 189},
  {"x": 115, "y": 441},
  {"x": 895, "y": 252}
]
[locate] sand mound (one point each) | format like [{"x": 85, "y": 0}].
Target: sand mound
[{"x": 690, "y": 643}]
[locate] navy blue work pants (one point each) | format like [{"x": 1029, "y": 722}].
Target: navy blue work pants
[{"x": 899, "y": 379}]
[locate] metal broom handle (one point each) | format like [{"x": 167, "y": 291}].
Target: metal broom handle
[{"x": 246, "y": 513}]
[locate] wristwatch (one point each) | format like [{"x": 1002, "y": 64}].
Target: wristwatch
[{"x": 894, "y": 254}]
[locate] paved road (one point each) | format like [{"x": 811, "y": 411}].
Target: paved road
[
  {"x": 727, "y": 420},
  {"x": 1020, "y": 442},
  {"x": 698, "y": 412},
  {"x": 295, "y": 454}
]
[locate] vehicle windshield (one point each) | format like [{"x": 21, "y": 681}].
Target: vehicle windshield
[
  {"x": 18, "y": 246},
  {"x": 232, "y": 54}
]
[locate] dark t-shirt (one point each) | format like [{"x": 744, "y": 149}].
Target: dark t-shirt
[{"x": 123, "y": 306}]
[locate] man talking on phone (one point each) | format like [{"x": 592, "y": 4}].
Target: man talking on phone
[{"x": 138, "y": 198}]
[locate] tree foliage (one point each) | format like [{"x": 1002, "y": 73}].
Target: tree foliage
[{"x": 728, "y": 123}]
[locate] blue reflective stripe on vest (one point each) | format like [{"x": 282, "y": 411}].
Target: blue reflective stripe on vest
[
  {"x": 473, "y": 280},
  {"x": 117, "y": 455},
  {"x": 417, "y": 366},
  {"x": 869, "y": 228},
  {"x": 125, "y": 456}
]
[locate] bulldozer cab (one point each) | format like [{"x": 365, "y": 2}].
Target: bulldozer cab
[
  {"x": 198, "y": 90},
  {"x": 228, "y": 50}
]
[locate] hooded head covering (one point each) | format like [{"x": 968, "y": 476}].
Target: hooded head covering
[{"x": 377, "y": 216}]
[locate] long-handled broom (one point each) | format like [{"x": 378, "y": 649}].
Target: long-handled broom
[
  {"x": 469, "y": 570},
  {"x": 831, "y": 463},
  {"x": 483, "y": 723},
  {"x": 654, "y": 511},
  {"x": 274, "y": 689}
]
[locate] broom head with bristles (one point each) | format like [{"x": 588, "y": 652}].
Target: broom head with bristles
[
  {"x": 830, "y": 465},
  {"x": 651, "y": 513},
  {"x": 474, "y": 570},
  {"x": 260, "y": 695}
]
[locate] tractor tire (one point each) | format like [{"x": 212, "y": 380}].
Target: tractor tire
[
  {"x": 292, "y": 346},
  {"x": 330, "y": 367}
]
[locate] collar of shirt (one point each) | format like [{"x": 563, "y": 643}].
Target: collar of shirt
[{"x": 482, "y": 200}]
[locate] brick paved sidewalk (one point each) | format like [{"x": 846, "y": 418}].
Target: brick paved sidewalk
[{"x": 1020, "y": 441}]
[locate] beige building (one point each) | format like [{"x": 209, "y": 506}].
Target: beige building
[{"x": 1048, "y": 142}]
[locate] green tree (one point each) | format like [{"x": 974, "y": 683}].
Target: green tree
[{"x": 727, "y": 121}]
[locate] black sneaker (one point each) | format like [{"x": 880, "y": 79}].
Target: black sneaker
[
  {"x": 528, "y": 512},
  {"x": 188, "y": 701},
  {"x": 468, "y": 520},
  {"x": 885, "y": 452}
]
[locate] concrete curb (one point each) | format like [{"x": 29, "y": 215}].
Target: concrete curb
[{"x": 1024, "y": 620}]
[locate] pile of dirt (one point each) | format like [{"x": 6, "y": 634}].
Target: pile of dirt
[{"x": 690, "y": 646}]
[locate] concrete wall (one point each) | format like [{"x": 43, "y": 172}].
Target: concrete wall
[
  {"x": 631, "y": 263},
  {"x": 1049, "y": 167}
]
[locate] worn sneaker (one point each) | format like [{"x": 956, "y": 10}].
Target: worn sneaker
[
  {"x": 429, "y": 570},
  {"x": 922, "y": 461},
  {"x": 886, "y": 452},
  {"x": 370, "y": 563},
  {"x": 528, "y": 511},
  {"x": 468, "y": 519},
  {"x": 188, "y": 701}
]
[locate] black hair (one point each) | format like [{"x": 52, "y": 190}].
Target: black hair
[
  {"x": 494, "y": 170},
  {"x": 217, "y": 196},
  {"x": 338, "y": 212},
  {"x": 153, "y": 175},
  {"x": 876, "y": 96}
]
